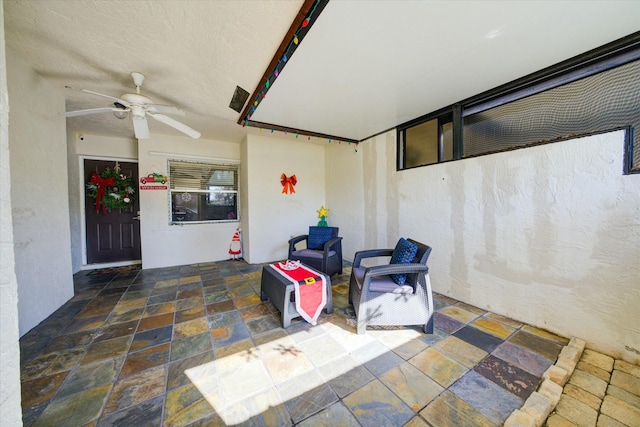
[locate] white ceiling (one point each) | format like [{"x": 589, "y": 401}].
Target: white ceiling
[{"x": 364, "y": 66}]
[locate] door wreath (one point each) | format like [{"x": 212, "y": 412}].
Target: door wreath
[{"x": 111, "y": 189}]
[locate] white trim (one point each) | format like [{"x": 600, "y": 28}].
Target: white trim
[
  {"x": 83, "y": 213},
  {"x": 109, "y": 265},
  {"x": 195, "y": 157}
]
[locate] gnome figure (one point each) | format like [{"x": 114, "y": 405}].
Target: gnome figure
[{"x": 235, "y": 249}]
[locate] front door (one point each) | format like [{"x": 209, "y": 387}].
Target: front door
[{"x": 112, "y": 235}]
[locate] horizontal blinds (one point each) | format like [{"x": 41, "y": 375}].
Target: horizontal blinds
[{"x": 202, "y": 176}]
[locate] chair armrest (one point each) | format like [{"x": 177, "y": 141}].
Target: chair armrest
[
  {"x": 383, "y": 270},
  {"x": 370, "y": 253},
  {"x": 330, "y": 243},
  {"x": 294, "y": 240}
]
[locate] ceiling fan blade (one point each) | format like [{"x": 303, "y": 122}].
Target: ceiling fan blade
[
  {"x": 166, "y": 109},
  {"x": 94, "y": 111},
  {"x": 121, "y": 101},
  {"x": 176, "y": 125},
  {"x": 140, "y": 126}
]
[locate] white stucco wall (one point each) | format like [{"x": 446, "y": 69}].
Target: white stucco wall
[
  {"x": 345, "y": 195},
  {"x": 79, "y": 147},
  {"x": 274, "y": 216},
  {"x": 10, "y": 409},
  {"x": 548, "y": 235},
  {"x": 39, "y": 188},
  {"x": 166, "y": 245}
]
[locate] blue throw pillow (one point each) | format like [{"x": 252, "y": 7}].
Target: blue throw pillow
[
  {"x": 318, "y": 236},
  {"x": 404, "y": 253}
]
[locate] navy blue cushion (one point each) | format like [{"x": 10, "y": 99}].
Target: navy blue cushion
[
  {"x": 404, "y": 253},
  {"x": 318, "y": 236}
]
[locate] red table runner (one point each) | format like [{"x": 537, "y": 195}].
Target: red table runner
[{"x": 310, "y": 290}]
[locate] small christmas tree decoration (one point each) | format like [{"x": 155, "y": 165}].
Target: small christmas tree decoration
[{"x": 322, "y": 214}]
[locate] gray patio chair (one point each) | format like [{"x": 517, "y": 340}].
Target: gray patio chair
[
  {"x": 379, "y": 300},
  {"x": 322, "y": 252}
]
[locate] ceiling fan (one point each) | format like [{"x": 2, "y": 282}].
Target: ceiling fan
[{"x": 140, "y": 107}]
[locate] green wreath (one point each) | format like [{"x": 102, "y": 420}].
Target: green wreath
[{"x": 111, "y": 190}]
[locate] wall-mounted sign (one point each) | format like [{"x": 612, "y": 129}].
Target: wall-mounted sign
[{"x": 153, "y": 187}]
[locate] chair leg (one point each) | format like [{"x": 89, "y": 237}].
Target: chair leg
[
  {"x": 361, "y": 329},
  {"x": 428, "y": 328}
]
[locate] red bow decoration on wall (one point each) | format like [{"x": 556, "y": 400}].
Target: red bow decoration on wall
[
  {"x": 102, "y": 183},
  {"x": 288, "y": 184}
]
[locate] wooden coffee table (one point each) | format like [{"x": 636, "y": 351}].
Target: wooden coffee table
[{"x": 280, "y": 291}]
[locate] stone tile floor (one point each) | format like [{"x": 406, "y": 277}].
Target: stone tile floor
[{"x": 195, "y": 346}]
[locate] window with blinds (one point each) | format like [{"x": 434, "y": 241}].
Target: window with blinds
[{"x": 203, "y": 192}]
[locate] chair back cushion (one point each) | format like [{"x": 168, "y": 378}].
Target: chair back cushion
[
  {"x": 404, "y": 253},
  {"x": 318, "y": 236}
]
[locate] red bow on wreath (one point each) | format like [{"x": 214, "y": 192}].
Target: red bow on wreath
[
  {"x": 288, "y": 184},
  {"x": 101, "y": 183}
]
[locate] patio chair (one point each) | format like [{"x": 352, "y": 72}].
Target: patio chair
[
  {"x": 323, "y": 251},
  {"x": 379, "y": 295}
]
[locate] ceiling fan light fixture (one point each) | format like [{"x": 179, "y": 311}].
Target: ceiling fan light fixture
[{"x": 121, "y": 114}]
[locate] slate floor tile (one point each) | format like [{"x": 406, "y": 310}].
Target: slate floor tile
[
  {"x": 151, "y": 338},
  {"x": 539, "y": 345},
  {"x": 446, "y": 323},
  {"x": 190, "y": 327},
  {"x": 144, "y": 359},
  {"x": 184, "y": 404},
  {"x": 493, "y": 327},
  {"x": 461, "y": 351},
  {"x": 383, "y": 363},
  {"x": 137, "y": 388},
  {"x": 444, "y": 370},
  {"x": 85, "y": 324},
  {"x": 219, "y": 307},
  {"x": 91, "y": 376},
  {"x": 155, "y": 322},
  {"x": 104, "y": 350},
  {"x": 523, "y": 358},
  {"x": 220, "y": 320},
  {"x": 480, "y": 339},
  {"x": 375, "y": 405},
  {"x": 448, "y": 410},
  {"x": 147, "y": 413},
  {"x": 412, "y": 386},
  {"x": 191, "y": 345},
  {"x": 116, "y": 330},
  {"x": 335, "y": 415},
  {"x": 40, "y": 390},
  {"x": 264, "y": 408},
  {"x": 487, "y": 397},
  {"x": 190, "y": 314},
  {"x": 511, "y": 378},
  {"x": 229, "y": 334},
  {"x": 194, "y": 346},
  {"x": 458, "y": 313},
  {"x": 178, "y": 377},
  {"x": 545, "y": 334},
  {"x": 75, "y": 410}
]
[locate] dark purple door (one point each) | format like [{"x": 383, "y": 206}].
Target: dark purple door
[{"x": 115, "y": 235}]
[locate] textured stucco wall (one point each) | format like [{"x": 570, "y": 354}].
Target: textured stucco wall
[
  {"x": 166, "y": 245},
  {"x": 275, "y": 217},
  {"x": 548, "y": 235},
  {"x": 10, "y": 410},
  {"x": 345, "y": 198},
  {"x": 39, "y": 194}
]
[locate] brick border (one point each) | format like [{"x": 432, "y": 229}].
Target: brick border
[{"x": 540, "y": 403}]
